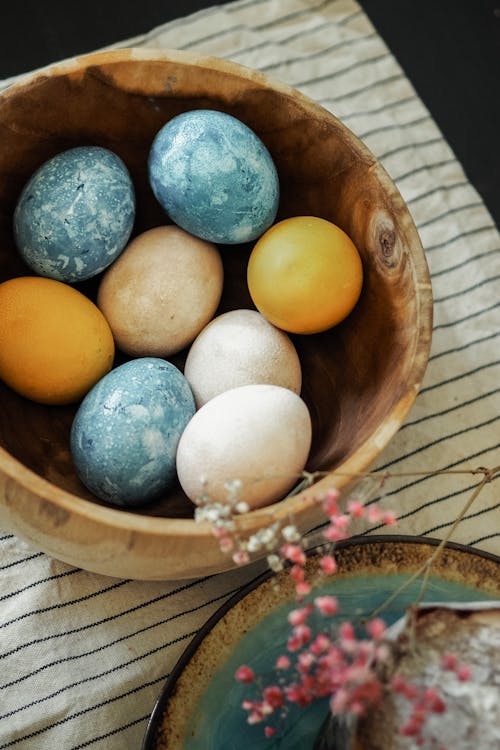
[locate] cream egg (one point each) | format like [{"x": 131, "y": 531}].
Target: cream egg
[
  {"x": 259, "y": 435},
  {"x": 161, "y": 291},
  {"x": 240, "y": 348}
]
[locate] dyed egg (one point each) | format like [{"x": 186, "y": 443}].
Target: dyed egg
[
  {"x": 214, "y": 177},
  {"x": 258, "y": 435},
  {"x": 162, "y": 290},
  {"x": 124, "y": 436},
  {"x": 55, "y": 344},
  {"x": 305, "y": 274},
  {"x": 240, "y": 348},
  {"x": 75, "y": 214}
]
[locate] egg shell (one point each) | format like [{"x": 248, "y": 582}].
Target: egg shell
[
  {"x": 125, "y": 434},
  {"x": 259, "y": 435},
  {"x": 162, "y": 290},
  {"x": 75, "y": 214},
  {"x": 214, "y": 177},
  {"x": 238, "y": 348},
  {"x": 55, "y": 344}
]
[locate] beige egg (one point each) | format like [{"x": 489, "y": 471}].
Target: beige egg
[
  {"x": 161, "y": 291},
  {"x": 240, "y": 348},
  {"x": 259, "y": 435}
]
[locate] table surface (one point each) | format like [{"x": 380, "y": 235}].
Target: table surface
[
  {"x": 83, "y": 656},
  {"x": 450, "y": 51}
]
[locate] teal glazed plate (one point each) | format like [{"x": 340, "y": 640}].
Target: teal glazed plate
[{"x": 200, "y": 705}]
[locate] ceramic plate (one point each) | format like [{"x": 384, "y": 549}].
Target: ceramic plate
[{"x": 200, "y": 705}]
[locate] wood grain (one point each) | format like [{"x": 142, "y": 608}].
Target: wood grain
[{"x": 360, "y": 378}]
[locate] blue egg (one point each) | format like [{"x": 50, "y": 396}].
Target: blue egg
[
  {"x": 125, "y": 433},
  {"x": 75, "y": 214},
  {"x": 214, "y": 177}
]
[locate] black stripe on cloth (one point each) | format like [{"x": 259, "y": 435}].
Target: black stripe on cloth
[
  {"x": 418, "y": 480},
  {"x": 461, "y": 348},
  {"x": 484, "y": 538},
  {"x": 428, "y": 504},
  {"x": 460, "y": 376},
  {"x": 61, "y": 605},
  {"x": 468, "y": 517},
  {"x": 394, "y": 126},
  {"x": 310, "y": 55},
  {"x": 109, "y": 618},
  {"x": 477, "y": 285},
  {"x": 441, "y": 439},
  {"x": 40, "y": 581},
  {"x": 87, "y": 710},
  {"x": 424, "y": 167},
  {"x": 104, "y": 673},
  {"x": 115, "y": 731},
  {"x": 449, "y": 212},
  {"x": 465, "y": 262},
  {"x": 294, "y": 14},
  {"x": 350, "y": 18},
  {"x": 468, "y": 402},
  {"x": 108, "y": 644},
  {"x": 363, "y": 89},
  {"x": 378, "y": 110},
  {"x": 440, "y": 189},
  {"x": 348, "y": 69},
  {"x": 7, "y": 536},
  {"x": 468, "y": 317},
  {"x": 416, "y": 146},
  {"x": 462, "y": 235},
  {"x": 211, "y": 37},
  {"x": 21, "y": 562}
]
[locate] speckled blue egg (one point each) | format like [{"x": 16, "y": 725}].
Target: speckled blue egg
[
  {"x": 125, "y": 433},
  {"x": 214, "y": 177},
  {"x": 75, "y": 214}
]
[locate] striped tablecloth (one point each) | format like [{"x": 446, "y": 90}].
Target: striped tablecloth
[{"x": 83, "y": 657}]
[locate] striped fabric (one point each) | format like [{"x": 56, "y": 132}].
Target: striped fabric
[{"x": 83, "y": 657}]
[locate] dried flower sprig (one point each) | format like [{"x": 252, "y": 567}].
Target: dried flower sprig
[{"x": 333, "y": 662}]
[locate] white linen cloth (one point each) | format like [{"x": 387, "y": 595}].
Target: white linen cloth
[{"x": 83, "y": 657}]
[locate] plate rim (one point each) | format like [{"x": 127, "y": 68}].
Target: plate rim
[{"x": 170, "y": 683}]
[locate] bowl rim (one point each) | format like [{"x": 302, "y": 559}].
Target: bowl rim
[{"x": 365, "y": 454}]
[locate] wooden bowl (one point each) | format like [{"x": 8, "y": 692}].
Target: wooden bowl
[{"x": 360, "y": 378}]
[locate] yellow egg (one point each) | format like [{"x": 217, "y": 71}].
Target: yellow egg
[
  {"x": 305, "y": 274},
  {"x": 161, "y": 291},
  {"x": 55, "y": 344}
]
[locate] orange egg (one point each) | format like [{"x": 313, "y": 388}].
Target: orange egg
[
  {"x": 305, "y": 274},
  {"x": 55, "y": 344}
]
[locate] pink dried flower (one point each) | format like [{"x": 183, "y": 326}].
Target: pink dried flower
[
  {"x": 327, "y": 605},
  {"x": 346, "y": 631},
  {"x": 374, "y": 514},
  {"x": 463, "y": 673},
  {"x": 302, "y": 589},
  {"x": 241, "y": 557},
  {"x": 294, "y": 553},
  {"x": 341, "y": 521},
  {"x": 376, "y": 628},
  {"x": 356, "y": 509},
  {"x": 297, "y": 573},
  {"x": 299, "y": 616},
  {"x": 328, "y": 564},
  {"x": 269, "y": 731},
  {"x": 226, "y": 544},
  {"x": 321, "y": 643},
  {"x": 389, "y": 518},
  {"x": 334, "y": 534},
  {"x": 245, "y": 674},
  {"x": 283, "y": 662},
  {"x": 449, "y": 662},
  {"x": 273, "y": 696}
]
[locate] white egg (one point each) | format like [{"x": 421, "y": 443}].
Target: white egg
[
  {"x": 259, "y": 435},
  {"x": 240, "y": 348}
]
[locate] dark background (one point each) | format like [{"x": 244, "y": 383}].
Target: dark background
[{"x": 449, "y": 49}]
